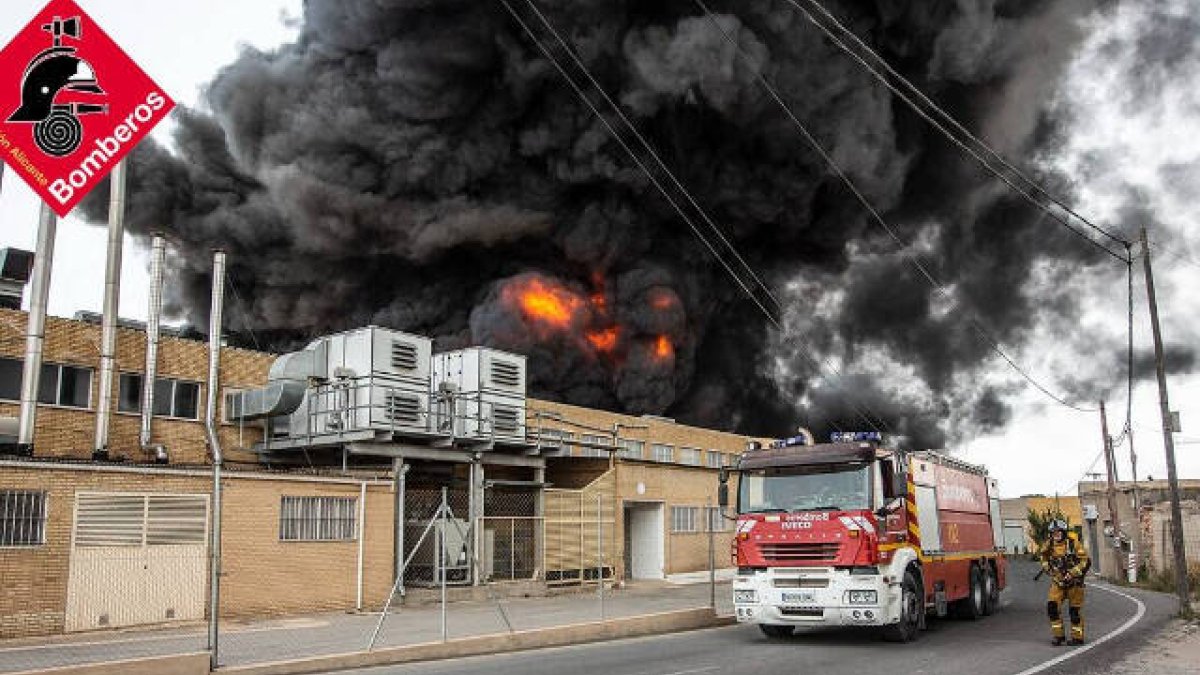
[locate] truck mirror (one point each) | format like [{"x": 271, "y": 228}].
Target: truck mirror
[
  {"x": 899, "y": 484},
  {"x": 723, "y": 494}
]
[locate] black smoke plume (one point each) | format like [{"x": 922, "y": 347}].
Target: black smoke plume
[{"x": 419, "y": 163}]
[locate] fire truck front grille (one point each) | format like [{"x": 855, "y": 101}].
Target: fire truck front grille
[
  {"x": 801, "y": 582},
  {"x": 800, "y": 552}
]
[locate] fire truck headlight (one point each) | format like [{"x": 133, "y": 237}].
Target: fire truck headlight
[
  {"x": 862, "y": 597},
  {"x": 745, "y": 596}
]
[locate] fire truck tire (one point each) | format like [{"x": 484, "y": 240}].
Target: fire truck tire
[
  {"x": 776, "y": 631},
  {"x": 991, "y": 588},
  {"x": 971, "y": 607},
  {"x": 911, "y": 608}
]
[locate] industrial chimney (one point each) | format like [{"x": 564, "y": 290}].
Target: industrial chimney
[
  {"x": 112, "y": 292},
  {"x": 153, "y": 321}
]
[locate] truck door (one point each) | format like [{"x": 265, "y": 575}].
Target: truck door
[{"x": 927, "y": 518}]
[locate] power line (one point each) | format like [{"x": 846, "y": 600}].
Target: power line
[
  {"x": 954, "y": 123},
  {"x": 774, "y": 320},
  {"x": 878, "y": 218}
]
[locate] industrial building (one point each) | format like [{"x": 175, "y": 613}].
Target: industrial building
[{"x": 335, "y": 460}]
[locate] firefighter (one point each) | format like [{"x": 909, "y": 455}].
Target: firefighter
[{"x": 1066, "y": 560}]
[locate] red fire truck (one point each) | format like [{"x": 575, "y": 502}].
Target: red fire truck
[{"x": 850, "y": 533}]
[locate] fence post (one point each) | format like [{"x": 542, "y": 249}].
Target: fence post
[
  {"x": 600, "y": 550},
  {"x": 714, "y": 517},
  {"x": 442, "y": 558}
]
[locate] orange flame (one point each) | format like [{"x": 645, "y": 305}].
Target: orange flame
[
  {"x": 549, "y": 304},
  {"x": 604, "y": 340},
  {"x": 663, "y": 349}
]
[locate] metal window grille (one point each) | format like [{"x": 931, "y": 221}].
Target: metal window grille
[
  {"x": 105, "y": 519},
  {"x": 317, "y": 518},
  {"x": 685, "y": 519},
  {"x": 663, "y": 453},
  {"x": 717, "y": 522},
  {"x": 689, "y": 456},
  {"x": 631, "y": 449},
  {"x": 22, "y": 518}
]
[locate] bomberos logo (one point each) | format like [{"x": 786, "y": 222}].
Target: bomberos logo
[{"x": 73, "y": 104}]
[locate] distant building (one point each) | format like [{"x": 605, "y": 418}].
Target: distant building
[
  {"x": 1145, "y": 528},
  {"x": 1015, "y": 515}
]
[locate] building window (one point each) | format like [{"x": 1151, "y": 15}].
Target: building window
[
  {"x": 685, "y": 519},
  {"x": 717, "y": 522},
  {"x": 317, "y": 519},
  {"x": 587, "y": 446},
  {"x": 689, "y": 456},
  {"x": 65, "y": 385},
  {"x": 22, "y": 518},
  {"x": 631, "y": 449},
  {"x": 663, "y": 453},
  {"x": 172, "y": 398},
  {"x": 10, "y": 379},
  {"x": 714, "y": 459}
]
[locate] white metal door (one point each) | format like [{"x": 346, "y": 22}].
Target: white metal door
[
  {"x": 647, "y": 539},
  {"x": 137, "y": 559},
  {"x": 927, "y": 518}
]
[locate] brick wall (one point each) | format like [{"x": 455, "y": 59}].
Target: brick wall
[
  {"x": 263, "y": 576},
  {"x": 648, "y": 481},
  {"x": 70, "y": 432}
]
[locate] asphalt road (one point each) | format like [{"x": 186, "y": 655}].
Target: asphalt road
[{"x": 1013, "y": 641}]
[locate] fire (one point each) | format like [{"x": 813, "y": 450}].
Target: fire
[
  {"x": 549, "y": 304},
  {"x": 604, "y": 340},
  {"x": 663, "y": 349}
]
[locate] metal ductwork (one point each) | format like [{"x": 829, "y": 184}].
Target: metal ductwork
[
  {"x": 153, "y": 322},
  {"x": 112, "y": 296},
  {"x": 286, "y": 383},
  {"x": 35, "y": 331}
]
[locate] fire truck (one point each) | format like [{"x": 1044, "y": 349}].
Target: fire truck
[{"x": 852, "y": 533}]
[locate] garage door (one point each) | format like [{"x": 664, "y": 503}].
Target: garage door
[{"x": 137, "y": 559}]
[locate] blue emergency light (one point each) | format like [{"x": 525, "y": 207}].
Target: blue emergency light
[{"x": 855, "y": 436}]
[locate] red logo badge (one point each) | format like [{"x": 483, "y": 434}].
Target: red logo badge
[{"x": 72, "y": 104}]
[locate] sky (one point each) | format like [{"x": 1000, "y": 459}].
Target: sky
[{"x": 1045, "y": 449}]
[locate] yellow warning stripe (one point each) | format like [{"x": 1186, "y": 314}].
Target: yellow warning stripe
[{"x": 940, "y": 557}]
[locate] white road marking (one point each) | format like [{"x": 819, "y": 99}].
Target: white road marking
[
  {"x": 693, "y": 670},
  {"x": 1076, "y": 651}
]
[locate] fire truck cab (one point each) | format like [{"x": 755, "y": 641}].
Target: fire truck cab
[{"x": 850, "y": 533}]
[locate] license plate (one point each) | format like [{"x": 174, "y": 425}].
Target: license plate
[{"x": 801, "y": 597}]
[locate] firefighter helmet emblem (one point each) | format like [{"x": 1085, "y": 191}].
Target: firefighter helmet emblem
[{"x": 57, "y": 130}]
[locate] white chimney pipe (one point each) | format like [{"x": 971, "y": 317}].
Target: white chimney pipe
[
  {"x": 35, "y": 330},
  {"x": 214, "y": 442},
  {"x": 158, "y": 249},
  {"x": 112, "y": 292}
]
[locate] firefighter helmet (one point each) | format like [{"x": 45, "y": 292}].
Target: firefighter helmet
[{"x": 1058, "y": 525}]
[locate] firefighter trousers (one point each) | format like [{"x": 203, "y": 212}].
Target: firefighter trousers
[{"x": 1074, "y": 597}]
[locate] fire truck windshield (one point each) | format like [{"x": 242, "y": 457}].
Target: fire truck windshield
[{"x": 840, "y": 487}]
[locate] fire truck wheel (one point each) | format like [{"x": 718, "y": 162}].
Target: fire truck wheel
[
  {"x": 972, "y": 606},
  {"x": 991, "y": 588},
  {"x": 776, "y": 631},
  {"x": 911, "y": 607}
]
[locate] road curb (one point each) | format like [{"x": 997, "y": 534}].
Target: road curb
[
  {"x": 195, "y": 663},
  {"x": 497, "y": 643}
]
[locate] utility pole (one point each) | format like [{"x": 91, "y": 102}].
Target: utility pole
[
  {"x": 1110, "y": 464},
  {"x": 1180, "y": 562}
]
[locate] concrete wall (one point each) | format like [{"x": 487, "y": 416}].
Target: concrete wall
[
  {"x": 263, "y": 576},
  {"x": 70, "y": 432},
  {"x": 1142, "y": 526}
]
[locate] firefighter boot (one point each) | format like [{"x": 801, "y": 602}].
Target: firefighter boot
[
  {"x": 1076, "y": 612},
  {"x": 1056, "y": 624}
]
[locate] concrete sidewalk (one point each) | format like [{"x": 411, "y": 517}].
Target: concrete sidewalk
[{"x": 282, "y": 639}]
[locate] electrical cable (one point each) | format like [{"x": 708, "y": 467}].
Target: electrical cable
[
  {"x": 950, "y": 120},
  {"x": 242, "y": 311},
  {"x": 879, "y": 220},
  {"x": 774, "y": 320}
]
